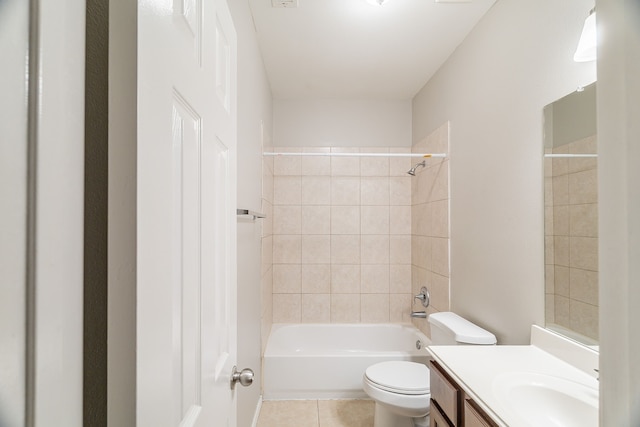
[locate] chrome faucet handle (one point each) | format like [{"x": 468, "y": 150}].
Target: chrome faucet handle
[{"x": 423, "y": 296}]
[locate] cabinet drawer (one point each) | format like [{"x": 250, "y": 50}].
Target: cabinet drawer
[
  {"x": 445, "y": 392},
  {"x": 436, "y": 419},
  {"x": 474, "y": 416}
]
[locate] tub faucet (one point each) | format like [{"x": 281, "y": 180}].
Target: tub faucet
[
  {"x": 419, "y": 314},
  {"x": 423, "y": 296}
]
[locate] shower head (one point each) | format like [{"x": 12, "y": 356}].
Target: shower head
[{"x": 412, "y": 171}]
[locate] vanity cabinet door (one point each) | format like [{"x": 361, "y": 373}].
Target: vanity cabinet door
[
  {"x": 474, "y": 416},
  {"x": 436, "y": 418},
  {"x": 446, "y": 393}
]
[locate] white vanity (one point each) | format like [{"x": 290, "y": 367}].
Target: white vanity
[{"x": 552, "y": 383}]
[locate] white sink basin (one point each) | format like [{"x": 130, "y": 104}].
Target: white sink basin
[{"x": 542, "y": 400}]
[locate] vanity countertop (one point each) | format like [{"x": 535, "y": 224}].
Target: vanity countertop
[{"x": 477, "y": 370}]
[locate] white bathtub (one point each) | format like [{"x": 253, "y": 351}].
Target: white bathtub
[{"x": 327, "y": 361}]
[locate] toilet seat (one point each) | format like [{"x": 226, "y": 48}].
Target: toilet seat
[{"x": 401, "y": 377}]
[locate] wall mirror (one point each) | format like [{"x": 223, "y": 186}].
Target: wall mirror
[{"x": 571, "y": 216}]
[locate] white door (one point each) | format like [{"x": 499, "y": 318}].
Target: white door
[{"x": 186, "y": 200}]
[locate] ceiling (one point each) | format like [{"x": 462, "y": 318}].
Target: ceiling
[{"x": 350, "y": 49}]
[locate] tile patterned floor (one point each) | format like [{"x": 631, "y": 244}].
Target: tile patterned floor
[{"x": 316, "y": 413}]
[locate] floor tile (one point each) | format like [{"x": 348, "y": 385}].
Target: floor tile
[
  {"x": 289, "y": 413},
  {"x": 346, "y": 413}
]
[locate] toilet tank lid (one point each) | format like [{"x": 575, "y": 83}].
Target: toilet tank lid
[{"x": 464, "y": 331}]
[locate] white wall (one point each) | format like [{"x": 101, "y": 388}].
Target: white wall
[
  {"x": 493, "y": 89},
  {"x": 254, "y": 108},
  {"x": 619, "y": 214},
  {"x": 341, "y": 123}
]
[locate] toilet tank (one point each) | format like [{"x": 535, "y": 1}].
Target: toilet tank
[{"x": 448, "y": 328}]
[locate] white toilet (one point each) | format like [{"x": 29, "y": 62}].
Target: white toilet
[{"x": 401, "y": 388}]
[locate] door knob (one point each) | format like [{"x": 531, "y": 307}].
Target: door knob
[{"x": 244, "y": 377}]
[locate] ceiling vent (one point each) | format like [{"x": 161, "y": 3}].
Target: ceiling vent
[{"x": 284, "y": 3}]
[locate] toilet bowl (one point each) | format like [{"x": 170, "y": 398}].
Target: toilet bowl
[
  {"x": 401, "y": 389},
  {"x": 401, "y": 392}
]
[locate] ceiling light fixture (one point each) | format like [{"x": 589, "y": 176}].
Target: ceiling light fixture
[
  {"x": 377, "y": 2},
  {"x": 587, "y": 46}
]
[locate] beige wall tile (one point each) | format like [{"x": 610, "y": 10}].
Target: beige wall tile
[
  {"x": 560, "y": 190},
  {"x": 345, "y": 308},
  {"x": 440, "y": 256},
  {"x": 345, "y": 249},
  {"x": 374, "y": 279},
  {"x": 549, "y": 308},
  {"x": 287, "y": 165},
  {"x": 400, "y": 220},
  {"x": 316, "y": 249},
  {"x": 400, "y": 308},
  {"x": 316, "y": 308},
  {"x": 374, "y": 308},
  {"x": 421, "y": 219},
  {"x": 561, "y": 250},
  {"x": 345, "y": 166},
  {"x": 287, "y": 249},
  {"x": 316, "y": 278},
  {"x": 560, "y": 165},
  {"x": 548, "y": 191},
  {"x": 561, "y": 280},
  {"x": 584, "y": 319},
  {"x": 374, "y": 166},
  {"x": 561, "y": 220},
  {"x": 549, "y": 250},
  {"x": 400, "y": 190},
  {"x": 287, "y": 190},
  {"x": 316, "y": 220},
  {"x": 345, "y": 279},
  {"x": 316, "y": 190},
  {"x": 287, "y": 278},
  {"x": 287, "y": 220},
  {"x": 439, "y": 291},
  {"x": 583, "y": 187},
  {"x": 398, "y": 166},
  {"x": 400, "y": 249},
  {"x": 562, "y": 314},
  {"x": 548, "y": 221},
  {"x": 345, "y": 220},
  {"x": 374, "y": 249},
  {"x": 441, "y": 182},
  {"x": 345, "y": 191},
  {"x": 584, "y": 146},
  {"x": 583, "y": 220},
  {"x": 584, "y": 285},
  {"x": 267, "y": 223},
  {"x": 426, "y": 181},
  {"x": 421, "y": 255},
  {"x": 400, "y": 279},
  {"x": 374, "y": 191},
  {"x": 549, "y": 278},
  {"x": 440, "y": 219},
  {"x": 374, "y": 219},
  {"x": 584, "y": 253},
  {"x": 316, "y": 165},
  {"x": 287, "y": 308}
]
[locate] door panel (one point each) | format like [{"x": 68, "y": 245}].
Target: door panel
[{"x": 186, "y": 214}]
